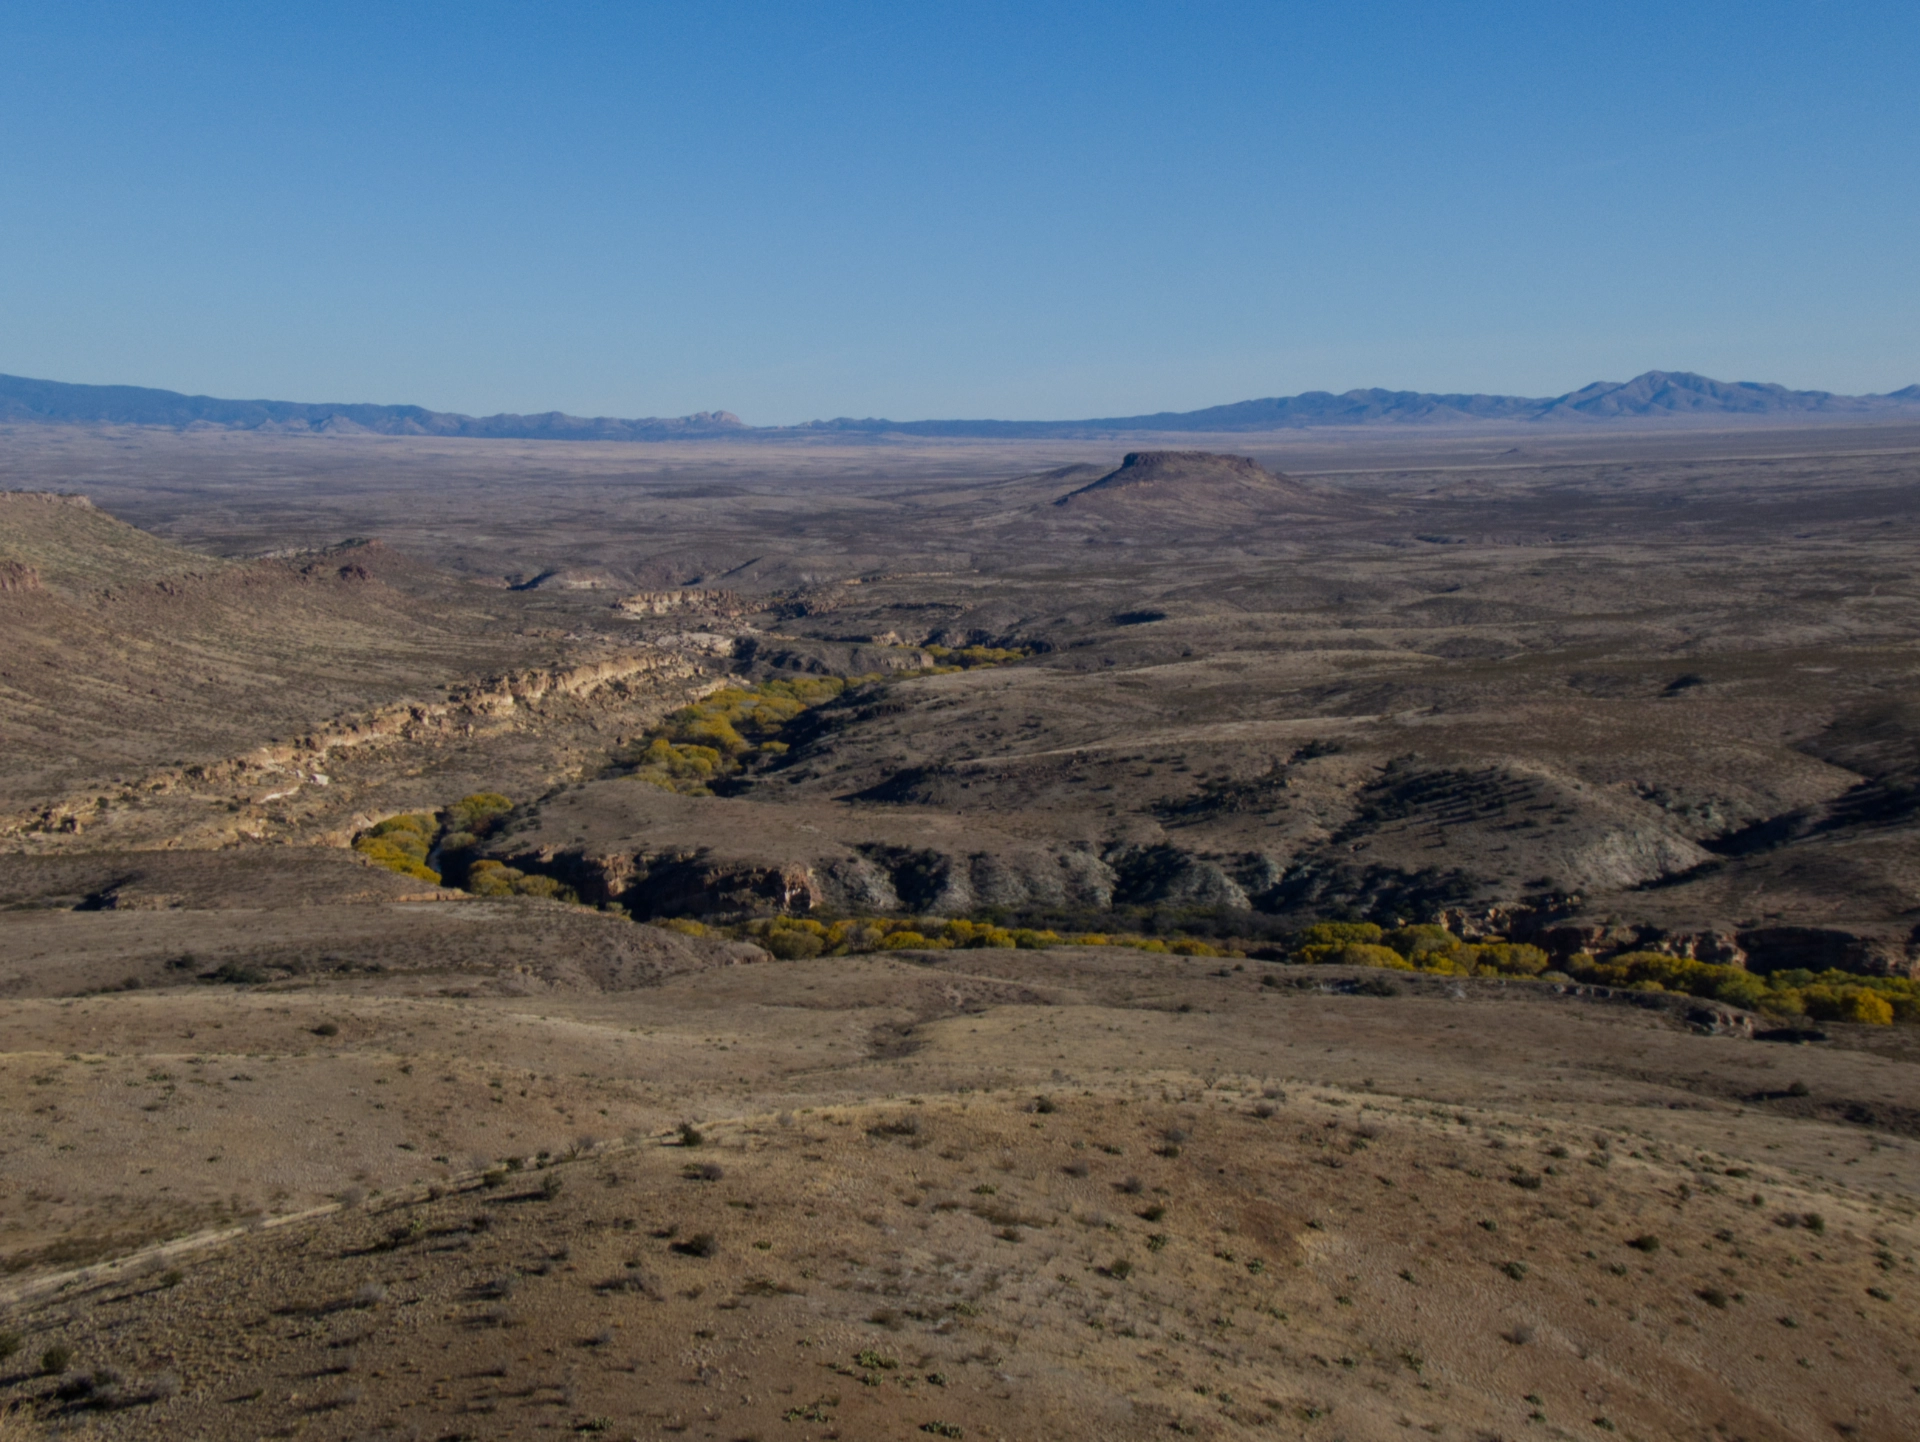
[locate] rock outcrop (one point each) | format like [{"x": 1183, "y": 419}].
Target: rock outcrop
[
  {"x": 18, "y": 576},
  {"x": 682, "y": 601}
]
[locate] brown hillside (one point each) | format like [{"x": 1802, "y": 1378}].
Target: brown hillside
[{"x": 125, "y": 652}]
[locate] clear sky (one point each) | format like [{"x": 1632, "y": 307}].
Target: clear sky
[{"x": 1025, "y": 210}]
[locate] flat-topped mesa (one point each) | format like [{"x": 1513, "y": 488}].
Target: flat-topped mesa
[
  {"x": 1179, "y": 475},
  {"x": 1141, "y": 468}
]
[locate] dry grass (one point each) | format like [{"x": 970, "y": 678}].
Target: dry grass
[{"x": 1288, "y": 1264}]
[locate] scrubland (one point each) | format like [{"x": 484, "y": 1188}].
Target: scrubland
[
  {"x": 901, "y": 940},
  {"x": 1076, "y": 1193}
]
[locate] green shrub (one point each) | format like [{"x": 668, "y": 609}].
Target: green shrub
[
  {"x": 712, "y": 738},
  {"x": 1187, "y": 946},
  {"x": 976, "y": 935},
  {"x": 476, "y": 815},
  {"x": 1360, "y": 953},
  {"x": 1511, "y": 959},
  {"x": 1339, "y": 933},
  {"x": 492, "y": 878},
  {"x": 967, "y": 657},
  {"x": 1783, "y": 1001},
  {"x": 1750, "y": 992},
  {"x": 792, "y": 944},
  {"x": 1413, "y": 942},
  {"x": 1847, "y": 1003},
  {"x": 1827, "y": 996},
  {"x": 401, "y": 844},
  {"x": 1029, "y": 940}
]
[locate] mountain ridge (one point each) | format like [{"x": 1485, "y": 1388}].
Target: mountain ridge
[
  {"x": 1651, "y": 395},
  {"x": 24, "y": 400}
]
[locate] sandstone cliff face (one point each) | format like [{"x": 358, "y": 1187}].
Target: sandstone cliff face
[
  {"x": 678, "y": 882},
  {"x": 503, "y": 693},
  {"x": 281, "y": 770},
  {"x": 1787, "y": 948},
  {"x": 869, "y": 878},
  {"x": 824, "y": 658},
  {"x": 877, "y": 878},
  {"x": 683, "y": 601}
]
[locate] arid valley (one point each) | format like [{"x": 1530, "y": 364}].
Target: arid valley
[{"x": 1344, "y": 933}]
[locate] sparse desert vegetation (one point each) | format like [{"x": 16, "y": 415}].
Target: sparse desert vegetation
[{"x": 1123, "y": 968}]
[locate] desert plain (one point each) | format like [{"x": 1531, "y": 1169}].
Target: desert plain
[{"x": 804, "y": 939}]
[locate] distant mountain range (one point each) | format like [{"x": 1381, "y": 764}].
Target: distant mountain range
[
  {"x": 1657, "y": 394},
  {"x": 57, "y": 403}
]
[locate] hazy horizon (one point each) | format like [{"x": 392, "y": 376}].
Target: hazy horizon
[{"x": 1639, "y": 397}]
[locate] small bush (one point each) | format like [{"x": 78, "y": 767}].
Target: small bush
[
  {"x": 1340, "y": 933},
  {"x": 56, "y": 1359},
  {"x": 789, "y": 945},
  {"x": 477, "y": 815},
  {"x": 1645, "y": 1242},
  {"x": 236, "y": 973},
  {"x": 691, "y": 1135},
  {"x": 1356, "y": 953},
  {"x": 1187, "y": 946},
  {"x": 700, "y": 1244},
  {"x": 401, "y": 844}
]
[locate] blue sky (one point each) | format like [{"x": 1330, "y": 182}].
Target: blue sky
[{"x": 926, "y": 210}]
